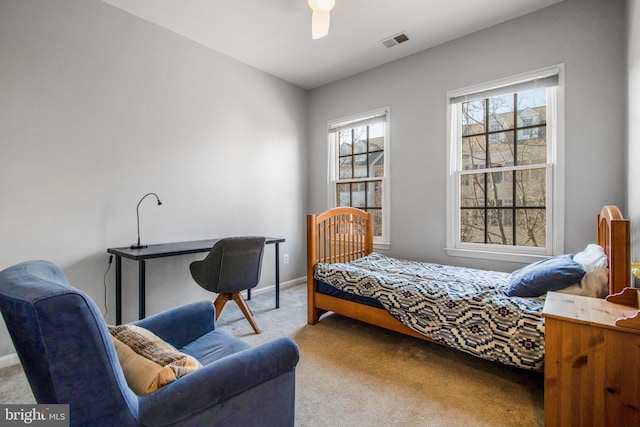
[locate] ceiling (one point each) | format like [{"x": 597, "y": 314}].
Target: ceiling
[{"x": 275, "y": 35}]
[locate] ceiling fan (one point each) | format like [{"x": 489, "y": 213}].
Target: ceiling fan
[{"x": 320, "y": 18}]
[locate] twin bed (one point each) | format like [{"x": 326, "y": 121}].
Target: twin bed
[{"x": 464, "y": 308}]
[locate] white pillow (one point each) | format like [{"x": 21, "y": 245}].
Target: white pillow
[{"x": 596, "y": 282}]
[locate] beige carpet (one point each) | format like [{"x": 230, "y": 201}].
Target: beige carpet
[{"x": 353, "y": 374}]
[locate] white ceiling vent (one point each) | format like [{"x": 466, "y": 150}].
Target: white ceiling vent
[{"x": 395, "y": 40}]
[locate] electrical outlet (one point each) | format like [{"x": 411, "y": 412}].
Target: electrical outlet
[{"x": 285, "y": 258}]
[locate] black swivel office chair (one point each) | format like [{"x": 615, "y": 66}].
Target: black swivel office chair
[{"x": 233, "y": 265}]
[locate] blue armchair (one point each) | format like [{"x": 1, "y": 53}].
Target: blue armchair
[{"x": 68, "y": 357}]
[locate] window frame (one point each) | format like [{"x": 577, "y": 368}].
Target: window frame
[
  {"x": 554, "y": 172},
  {"x": 379, "y": 242}
]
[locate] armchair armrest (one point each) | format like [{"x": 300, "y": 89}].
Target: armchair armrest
[
  {"x": 218, "y": 382},
  {"x": 181, "y": 325}
]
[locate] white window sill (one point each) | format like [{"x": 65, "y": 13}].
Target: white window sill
[
  {"x": 381, "y": 246},
  {"x": 495, "y": 256}
]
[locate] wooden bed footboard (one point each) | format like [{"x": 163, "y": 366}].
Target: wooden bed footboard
[{"x": 338, "y": 235}]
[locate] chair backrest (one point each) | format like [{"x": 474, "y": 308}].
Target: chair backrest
[
  {"x": 233, "y": 265},
  {"x": 64, "y": 345}
]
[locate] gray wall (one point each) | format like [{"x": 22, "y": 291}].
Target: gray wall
[
  {"x": 97, "y": 108},
  {"x": 588, "y": 36}
]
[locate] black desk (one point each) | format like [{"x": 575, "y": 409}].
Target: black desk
[{"x": 171, "y": 249}]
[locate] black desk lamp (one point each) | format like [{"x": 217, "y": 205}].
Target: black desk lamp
[{"x": 138, "y": 245}]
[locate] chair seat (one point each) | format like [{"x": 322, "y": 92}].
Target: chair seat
[
  {"x": 214, "y": 346},
  {"x": 233, "y": 265}
]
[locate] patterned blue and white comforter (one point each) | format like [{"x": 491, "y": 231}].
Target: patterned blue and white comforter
[{"x": 464, "y": 308}]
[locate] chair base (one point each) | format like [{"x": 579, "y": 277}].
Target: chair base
[{"x": 222, "y": 300}]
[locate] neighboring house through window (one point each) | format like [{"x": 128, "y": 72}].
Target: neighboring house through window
[
  {"x": 358, "y": 167},
  {"x": 506, "y": 168}
]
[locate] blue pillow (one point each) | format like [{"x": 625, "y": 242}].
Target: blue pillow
[{"x": 550, "y": 274}]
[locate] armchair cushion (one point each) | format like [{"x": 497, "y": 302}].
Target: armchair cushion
[
  {"x": 213, "y": 346},
  {"x": 143, "y": 375},
  {"x": 149, "y": 345}
]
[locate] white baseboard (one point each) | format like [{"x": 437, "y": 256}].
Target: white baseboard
[
  {"x": 272, "y": 288},
  {"x": 9, "y": 360}
]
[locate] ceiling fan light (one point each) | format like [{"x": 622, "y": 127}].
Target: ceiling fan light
[{"x": 321, "y": 5}]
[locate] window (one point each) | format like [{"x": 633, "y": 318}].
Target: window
[
  {"x": 505, "y": 168},
  {"x": 358, "y": 171}
]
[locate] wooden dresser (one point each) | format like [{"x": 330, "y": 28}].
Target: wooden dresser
[{"x": 592, "y": 365}]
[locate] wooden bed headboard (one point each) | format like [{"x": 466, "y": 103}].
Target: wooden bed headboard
[
  {"x": 345, "y": 234},
  {"x": 614, "y": 235}
]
